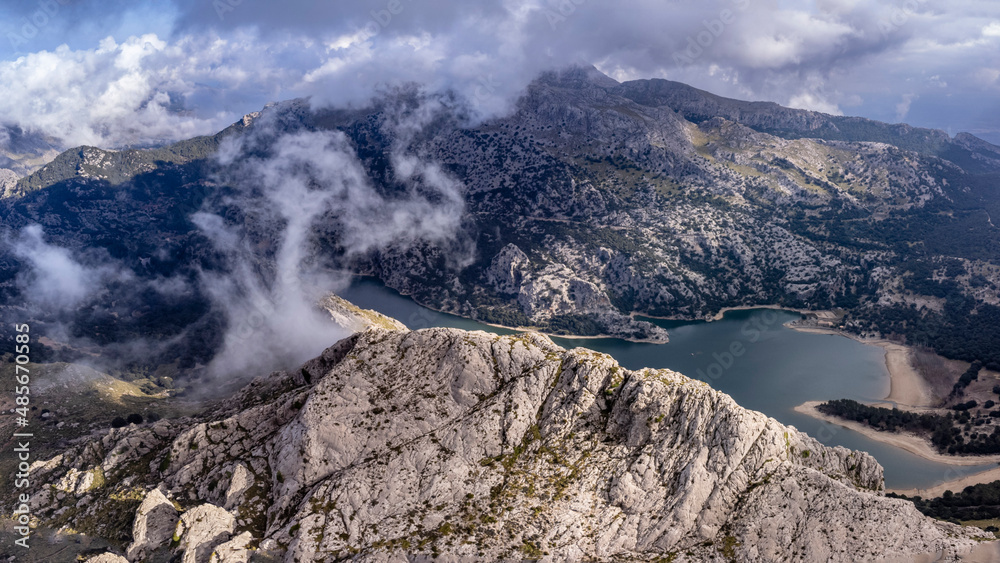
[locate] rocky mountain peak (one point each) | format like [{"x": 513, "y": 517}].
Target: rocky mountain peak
[
  {"x": 578, "y": 77},
  {"x": 400, "y": 445}
]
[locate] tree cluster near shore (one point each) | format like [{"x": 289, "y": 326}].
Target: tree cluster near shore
[
  {"x": 966, "y": 378},
  {"x": 966, "y": 431},
  {"x": 975, "y": 502}
]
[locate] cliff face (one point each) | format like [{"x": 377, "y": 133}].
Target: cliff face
[{"x": 396, "y": 445}]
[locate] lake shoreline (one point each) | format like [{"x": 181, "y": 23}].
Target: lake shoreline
[
  {"x": 718, "y": 316},
  {"x": 505, "y": 327},
  {"x": 908, "y": 389},
  {"x": 722, "y": 312},
  {"x": 954, "y": 485},
  {"x": 917, "y": 445}
]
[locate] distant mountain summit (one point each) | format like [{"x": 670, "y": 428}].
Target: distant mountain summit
[{"x": 768, "y": 117}]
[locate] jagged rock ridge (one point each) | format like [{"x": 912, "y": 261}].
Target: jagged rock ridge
[{"x": 396, "y": 445}]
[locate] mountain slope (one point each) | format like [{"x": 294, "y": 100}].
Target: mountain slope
[
  {"x": 398, "y": 445},
  {"x": 21, "y": 153},
  {"x": 591, "y": 201},
  {"x": 768, "y": 117},
  {"x": 669, "y": 217},
  {"x": 118, "y": 166}
]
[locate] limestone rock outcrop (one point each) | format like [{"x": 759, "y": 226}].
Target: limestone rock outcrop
[
  {"x": 201, "y": 529},
  {"x": 155, "y": 522},
  {"x": 507, "y": 269},
  {"x": 396, "y": 445},
  {"x": 107, "y": 558}
]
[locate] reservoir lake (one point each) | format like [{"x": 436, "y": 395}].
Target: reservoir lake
[{"x": 751, "y": 356}]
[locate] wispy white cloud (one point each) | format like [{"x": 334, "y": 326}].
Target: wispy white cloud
[
  {"x": 54, "y": 277},
  {"x": 814, "y": 102},
  {"x": 903, "y": 107},
  {"x": 302, "y": 183}
]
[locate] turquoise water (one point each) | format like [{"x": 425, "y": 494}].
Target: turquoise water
[{"x": 748, "y": 354}]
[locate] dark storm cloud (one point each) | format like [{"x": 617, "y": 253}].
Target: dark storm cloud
[
  {"x": 322, "y": 18},
  {"x": 914, "y": 60}
]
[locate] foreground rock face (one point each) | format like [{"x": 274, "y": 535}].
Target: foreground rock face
[
  {"x": 397, "y": 445},
  {"x": 154, "y": 525}
]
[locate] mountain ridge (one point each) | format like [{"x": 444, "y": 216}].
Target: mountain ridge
[
  {"x": 400, "y": 445},
  {"x": 692, "y": 103},
  {"x": 584, "y": 206}
]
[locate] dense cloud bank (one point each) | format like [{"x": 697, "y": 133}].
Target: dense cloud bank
[{"x": 184, "y": 68}]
